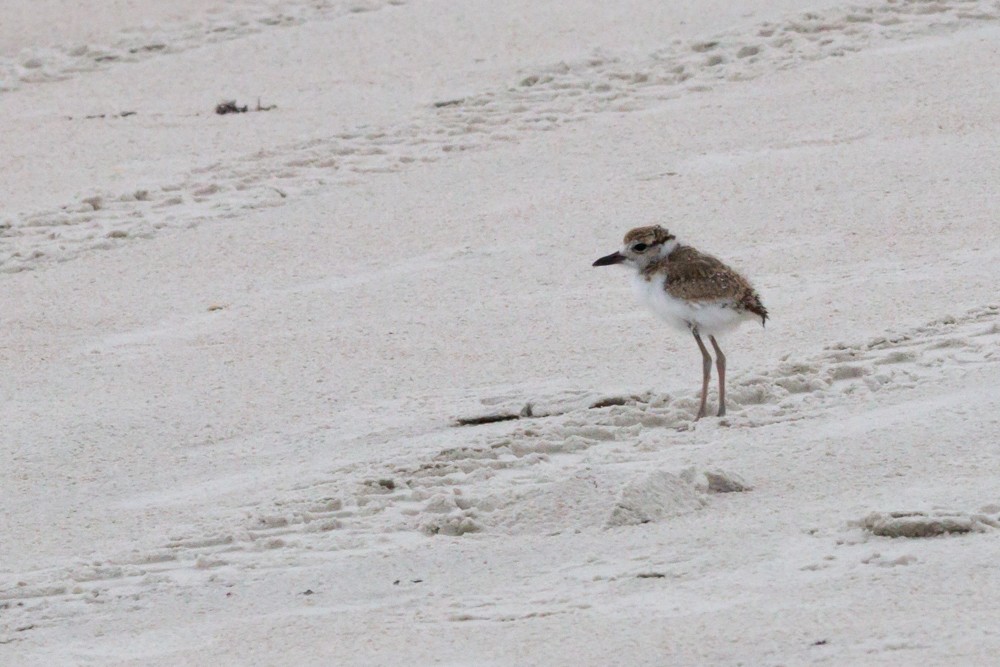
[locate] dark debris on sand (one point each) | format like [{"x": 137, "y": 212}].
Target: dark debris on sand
[{"x": 230, "y": 106}]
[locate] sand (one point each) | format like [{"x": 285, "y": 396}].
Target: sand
[{"x": 235, "y": 350}]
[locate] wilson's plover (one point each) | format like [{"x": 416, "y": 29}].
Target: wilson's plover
[{"x": 690, "y": 290}]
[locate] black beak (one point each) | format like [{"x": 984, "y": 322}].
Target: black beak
[{"x": 608, "y": 260}]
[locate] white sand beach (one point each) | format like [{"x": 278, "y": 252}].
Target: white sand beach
[{"x": 235, "y": 350}]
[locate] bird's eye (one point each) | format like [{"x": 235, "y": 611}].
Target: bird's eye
[{"x": 639, "y": 247}]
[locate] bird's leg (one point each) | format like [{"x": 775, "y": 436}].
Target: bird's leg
[
  {"x": 720, "y": 364},
  {"x": 707, "y": 372}
]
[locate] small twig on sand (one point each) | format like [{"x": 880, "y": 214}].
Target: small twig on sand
[{"x": 123, "y": 114}]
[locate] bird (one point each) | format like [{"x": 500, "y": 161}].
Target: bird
[{"x": 691, "y": 291}]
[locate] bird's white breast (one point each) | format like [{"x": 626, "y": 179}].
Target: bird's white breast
[{"x": 710, "y": 317}]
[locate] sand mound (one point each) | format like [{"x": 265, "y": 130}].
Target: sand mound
[
  {"x": 926, "y": 524},
  {"x": 654, "y": 497}
]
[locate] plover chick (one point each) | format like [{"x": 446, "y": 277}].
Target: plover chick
[{"x": 690, "y": 290}]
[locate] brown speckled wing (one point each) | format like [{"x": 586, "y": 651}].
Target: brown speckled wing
[{"x": 695, "y": 276}]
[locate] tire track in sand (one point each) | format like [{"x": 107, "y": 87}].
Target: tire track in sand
[{"x": 541, "y": 100}]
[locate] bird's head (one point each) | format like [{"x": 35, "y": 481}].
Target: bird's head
[{"x": 641, "y": 247}]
